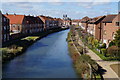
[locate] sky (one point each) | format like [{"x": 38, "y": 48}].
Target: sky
[{"x": 74, "y": 10}]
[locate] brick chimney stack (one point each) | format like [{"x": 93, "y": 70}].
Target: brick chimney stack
[{"x": 6, "y": 13}]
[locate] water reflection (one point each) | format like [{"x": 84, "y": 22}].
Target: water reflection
[{"x": 47, "y": 58}]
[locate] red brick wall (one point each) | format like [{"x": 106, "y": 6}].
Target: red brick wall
[
  {"x": 85, "y": 25},
  {"x": 108, "y": 31},
  {"x": 97, "y": 31}
]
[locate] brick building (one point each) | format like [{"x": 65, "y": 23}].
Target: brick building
[
  {"x": 24, "y": 24},
  {"x": 5, "y": 29},
  {"x": 84, "y": 24},
  {"x": 46, "y": 22},
  {"x": 111, "y": 23},
  {"x": 95, "y": 26},
  {"x": 33, "y": 24},
  {"x": 76, "y": 22},
  {"x": 60, "y": 22},
  {"x": 50, "y": 23},
  {"x": 16, "y": 22}
]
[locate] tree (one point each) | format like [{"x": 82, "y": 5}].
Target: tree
[
  {"x": 117, "y": 38},
  {"x": 112, "y": 43}
]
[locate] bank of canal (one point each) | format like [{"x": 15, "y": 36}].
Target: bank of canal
[{"x": 47, "y": 58}]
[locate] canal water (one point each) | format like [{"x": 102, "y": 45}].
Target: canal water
[{"x": 47, "y": 58}]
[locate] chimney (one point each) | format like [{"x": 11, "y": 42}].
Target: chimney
[
  {"x": 6, "y": 13},
  {"x": 14, "y": 14}
]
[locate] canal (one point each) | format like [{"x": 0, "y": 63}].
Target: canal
[{"x": 47, "y": 58}]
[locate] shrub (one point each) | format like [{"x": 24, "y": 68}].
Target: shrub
[
  {"x": 112, "y": 43},
  {"x": 114, "y": 51},
  {"x": 103, "y": 45},
  {"x": 80, "y": 49},
  {"x": 104, "y": 51},
  {"x": 82, "y": 65},
  {"x": 95, "y": 43}
]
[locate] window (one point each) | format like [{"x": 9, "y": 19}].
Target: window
[
  {"x": 8, "y": 27},
  {"x": 4, "y": 27},
  {"x": 4, "y": 19},
  {"x": 7, "y": 36},
  {"x": 4, "y": 37},
  {"x": 117, "y": 24},
  {"x": 18, "y": 28}
]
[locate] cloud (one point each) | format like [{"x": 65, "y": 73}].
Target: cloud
[
  {"x": 24, "y": 5},
  {"x": 56, "y": 3},
  {"x": 57, "y": 9},
  {"x": 60, "y": 0},
  {"x": 91, "y": 4}
]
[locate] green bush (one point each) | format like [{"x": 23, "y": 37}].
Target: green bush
[
  {"x": 82, "y": 65},
  {"x": 104, "y": 51},
  {"x": 112, "y": 43},
  {"x": 113, "y": 51},
  {"x": 103, "y": 45}
]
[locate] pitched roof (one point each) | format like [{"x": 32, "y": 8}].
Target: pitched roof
[
  {"x": 117, "y": 18},
  {"x": 96, "y": 19},
  {"x": 109, "y": 18},
  {"x": 85, "y": 19},
  {"x": 76, "y": 20},
  {"x": 15, "y": 19},
  {"x": 59, "y": 19}
]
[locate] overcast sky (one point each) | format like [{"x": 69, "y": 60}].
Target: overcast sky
[{"x": 74, "y": 10}]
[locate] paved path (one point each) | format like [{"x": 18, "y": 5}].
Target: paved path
[{"x": 104, "y": 64}]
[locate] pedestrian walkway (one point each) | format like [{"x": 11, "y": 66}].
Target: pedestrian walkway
[{"x": 109, "y": 73}]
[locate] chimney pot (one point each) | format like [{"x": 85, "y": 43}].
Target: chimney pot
[
  {"x": 14, "y": 14},
  {"x": 6, "y": 13}
]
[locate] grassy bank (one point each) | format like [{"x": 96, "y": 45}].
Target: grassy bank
[
  {"x": 81, "y": 61},
  {"x": 18, "y": 47}
]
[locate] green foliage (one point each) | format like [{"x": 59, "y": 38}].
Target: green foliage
[
  {"x": 117, "y": 38},
  {"x": 104, "y": 51},
  {"x": 82, "y": 64},
  {"x": 80, "y": 49},
  {"x": 114, "y": 51},
  {"x": 103, "y": 45},
  {"x": 112, "y": 43},
  {"x": 95, "y": 43},
  {"x": 31, "y": 38}
]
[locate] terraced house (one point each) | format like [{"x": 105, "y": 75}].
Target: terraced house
[
  {"x": 46, "y": 22},
  {"x": 60, "y": 22},
  {"x": 51, "y": 23},
  {"x": 4, "y": 29},
  {"x": 16, "y": 23},
  {"x": 76, "y": 22},
  {"x": 95, "y": 27},
  {"x": 110, "y": 24},
  {"x": 84, "y": 24},
  {"x": 24, "y": 24},
  {"x": 33, "y": 24}
]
